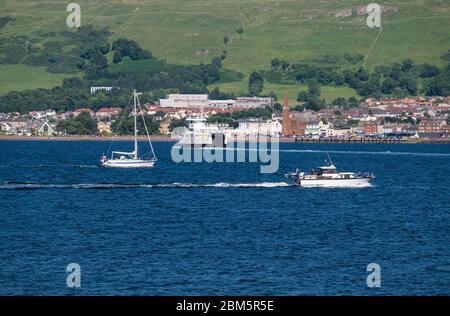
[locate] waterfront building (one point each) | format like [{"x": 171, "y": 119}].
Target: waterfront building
[
  {"x": 341, "y": 132},
  {"x": 318, "y": 128},
  {"x": 255, "y": 127},
  {"x": 372, "y": 129}
]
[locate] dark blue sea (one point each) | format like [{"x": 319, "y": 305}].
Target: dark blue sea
[{"x": 222, "y": 228}]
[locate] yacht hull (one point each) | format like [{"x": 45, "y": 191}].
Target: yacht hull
[
  {"x": 128, "y": 163},
  {"x": 335, "y": 183}
]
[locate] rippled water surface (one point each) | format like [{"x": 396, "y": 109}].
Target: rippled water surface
[{"x": 223, "y": 228}]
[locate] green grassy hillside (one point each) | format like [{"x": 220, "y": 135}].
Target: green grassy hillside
[{"x": 192, "y": 31}]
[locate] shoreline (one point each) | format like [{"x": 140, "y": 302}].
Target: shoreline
[
  {"x": 85, "y": 138},
  {"x": 161, "y": 138}
]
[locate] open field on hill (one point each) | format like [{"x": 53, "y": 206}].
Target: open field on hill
[{"x": 20, "y": 77}]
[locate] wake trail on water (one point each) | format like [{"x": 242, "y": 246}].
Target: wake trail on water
[
  {"x": 107, "y": 186},
  {"x": 54, "y": 166}
]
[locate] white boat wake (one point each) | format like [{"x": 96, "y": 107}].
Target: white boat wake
[{"x": 30, "y": 186}]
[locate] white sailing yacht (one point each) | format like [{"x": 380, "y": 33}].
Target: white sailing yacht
[{"x": 121, "y": 159}]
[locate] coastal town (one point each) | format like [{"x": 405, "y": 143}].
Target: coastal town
[{"x": 406, "y": 119}]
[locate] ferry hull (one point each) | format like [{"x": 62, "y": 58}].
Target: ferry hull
[
  {"x": 129, "y": 163},
  {"x": 337, "y": 183}
]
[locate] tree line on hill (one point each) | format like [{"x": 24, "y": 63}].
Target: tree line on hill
[{"x": 399, "y": 79}]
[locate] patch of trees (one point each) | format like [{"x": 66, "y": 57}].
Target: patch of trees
[
  {"x": 216, "y": 94},
  {"x": 123, "y": 47},
  {"x": 440, "y": 84},
  {"x": 72, "y": 51},
  {"x": 280, "y": 64},
  {"x": 255, "y": 83},
  {"x": 83, "y": 124},
  {"x": 346, "y": 58},
  {"x": 14, "y": 49},
  {"x": 178, "y": 123},
  {"x": 217, "y": 62},
  {"x": 311, "y": 98},
  {"x": 184, "y": 79},
  {"x": 5, "y": 20},
  {"x": 125, "y": 125}
]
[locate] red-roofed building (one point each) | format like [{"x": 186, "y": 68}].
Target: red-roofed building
[
  {"x": 108, "y": 112},
  {"x": 83, "y": 110},
  {"x": 431, "y": 126}
]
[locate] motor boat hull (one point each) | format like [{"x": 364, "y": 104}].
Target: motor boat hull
[
  {"x": 128, "y": 163},
  {"x": 335, "y": 183}
]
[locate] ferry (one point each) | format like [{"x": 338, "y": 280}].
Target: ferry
[
  {"x": 329, "y": 176},
  {"x": 201, "y": 134}
]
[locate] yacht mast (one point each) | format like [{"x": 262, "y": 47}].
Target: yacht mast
[{"x": 135, "y": 128}]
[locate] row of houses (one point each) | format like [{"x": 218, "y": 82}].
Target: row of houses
[{"x": 389, "y": 117}]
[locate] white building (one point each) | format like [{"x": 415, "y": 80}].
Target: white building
[
  {"x": 184, "y": 101},
  {"x": 5, "y": 127},
  {"x": 319, "y": 128},
  {"x": 222, "y": 104},
  {"x": 253, "y": 102},
  {"x": 42, "y": 114},
  {"x": 95, "y": 89},
  {"x": 255, "y": 127},
  {"x": 341, "y": 132}
]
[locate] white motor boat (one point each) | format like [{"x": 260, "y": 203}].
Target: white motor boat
[
  {"x": 328, "y": 176},
  {"x": 121, "y": 159}
]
